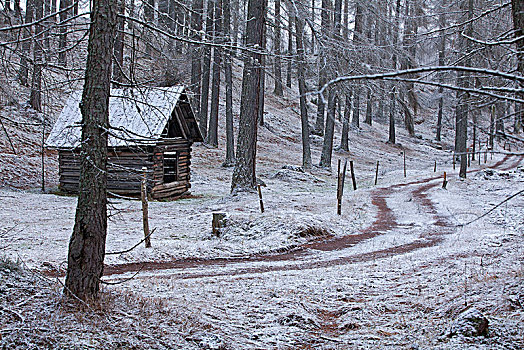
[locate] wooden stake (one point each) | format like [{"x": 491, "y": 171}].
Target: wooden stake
[
  {"x": 218, "y": 223},
  {"x": 454, "y": 161},
  {"x": 405, "y": 174},
  {"x": 486, "y": 156},
  {"x": 145, "y": 214},
  {"x": 260, "y": 198},
  {"x": 435, "y": 167},
  {"x": 445, "y": 182},
  {"x": 353, "y": 175},
  {"x": 469, "y": 157},
  {"x": 340, "y": 186},
  {"x": 376, "y": 174}
]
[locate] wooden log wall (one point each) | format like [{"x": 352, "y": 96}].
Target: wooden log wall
[{"x": 125, "y": 170}]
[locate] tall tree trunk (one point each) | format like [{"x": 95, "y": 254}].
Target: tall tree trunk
[
  {"x": 206, "y": 70},
  {"x": 322, "y": 65},
  {"x": 62, "y": 41},
  {"x": 409, "y": 47},
  {"x": 289, "y": 46},
  {"x": 118, "y": 62},
  {"x": 441, "y": 57},
  {"x": 35, "y": 100},
  {"x": 369, "y": 107},
  {"x": 356, "y": 108},
  {"x": 462, "y": 109},
  {"x": 344, "y": 141},
  {"x": 393, "y": 98},
  {"x": 18, "y": 10},
  {"x": 244, "y": 173},
  {"x": 85, "y": 263},
  {"x": 212, "y": 135},
  {"x": 230, "y": 146},
  {"x": 7, "y": 6},
  {"x": 278, "y": 91},
  {"x": 327, "y": 147},
  {"x": 262, "y": 94},
  {"x": 196, "y": 52},
  {"x": 517, "y": 11},
  {"x": 304, "y": 121},
  {"x": 23, "y": 73}
]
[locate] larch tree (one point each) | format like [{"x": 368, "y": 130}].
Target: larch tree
[
  {"x": 206, "y": 70},
  {"x": 212, "y": 134},
  {"x": 35, "y": 99},
  {"x": 196, "y": 51},
  {"x": 244, "y": 173},
  {"x": 278, "y": 90},
  {"x": 304, "y": 121},
  {"x": 228, "y": 72},
  {"x": 85, "y": 264},
  {"x": 517, "y": 11}
]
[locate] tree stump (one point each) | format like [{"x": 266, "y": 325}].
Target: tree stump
[{"x": 218, "y": 223}]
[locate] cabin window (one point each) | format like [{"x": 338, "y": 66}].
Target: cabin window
[{"x": 170, "y": 167}]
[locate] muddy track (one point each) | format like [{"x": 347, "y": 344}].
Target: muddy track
[{"x": 306, "y": 256}]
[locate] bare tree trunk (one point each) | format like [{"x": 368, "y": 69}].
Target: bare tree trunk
[
  {"x": 118, "y": 62},
  {"x": 369, "y": 107},
  {"x": 230, "y": 146},
  {"x": 327, "y": 147},
  {"x": 344, "y": 142},
  {"x": 212, "y": 135},
  {"x": 196, "y": 51},
  {"x": 262, "y": 94},
  {"x": 393, "y": 98},
  {"x": 23, "y": 73},
  {"x": 35, "y": 100},
  {"x": 18, "y": 10},
  {"x": 279, "y": 90},
  {"x": 441, "y": 56},
  {"x": 306, "y": 151},
  {"x": 87, "y": 245},
  {"x": 409, "y": 46},
  {"x": 517, "y": 10},
  {"x": 206, "y": 70},
  {"x": 244, "y": 174},
  {"x": 289, "y": 46},
  {"x": 322, "y": 66},
  {"x": 356, "y": 108},
  {"x": 62, "y": 41},
  {"x": 462, "y": 109}
]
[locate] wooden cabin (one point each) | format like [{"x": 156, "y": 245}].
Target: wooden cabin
[{"x": 150, "y": 127}]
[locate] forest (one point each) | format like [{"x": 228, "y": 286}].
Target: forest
[{"x": 261, "y": 174}]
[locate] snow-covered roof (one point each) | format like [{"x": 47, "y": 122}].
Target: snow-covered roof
[{"x": 135, "y": 115}]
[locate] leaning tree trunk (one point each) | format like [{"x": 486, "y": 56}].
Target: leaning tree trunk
[
  {"x": 228, "y": 72},
  {"x": 244, "y": 176},
  {"x": 212, "y": 135},
  {"x": 87, "y": 245},
  {"x": 306, "y": 151}
]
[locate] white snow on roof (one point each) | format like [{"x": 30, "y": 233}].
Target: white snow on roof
[{"x": 135, "y": 115}]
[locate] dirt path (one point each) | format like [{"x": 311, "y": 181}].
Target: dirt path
[{"x": 310, "y": 255}]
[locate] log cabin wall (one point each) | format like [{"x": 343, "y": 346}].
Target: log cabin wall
[{"x": 125, "y": 169}]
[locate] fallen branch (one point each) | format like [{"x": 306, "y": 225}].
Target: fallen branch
[
  {"x": 495, "y": 207},
  {"x": 124, "y": 280}
]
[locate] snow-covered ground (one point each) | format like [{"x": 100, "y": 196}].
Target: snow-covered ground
[{"x": 393, "y": 271}]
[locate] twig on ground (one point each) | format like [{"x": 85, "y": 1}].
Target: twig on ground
[
  {"x": 489, "y": 211},
  {"x": 133, "y": 247}
]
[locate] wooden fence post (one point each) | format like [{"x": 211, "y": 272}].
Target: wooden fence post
[
  {"x": 454, "y": 161},
  {"x": 353, "y": 175},
  {"x": 260, "y": 198},
  {"x": 445, "y": 182},
  {"x": 376, "y": 174},
  {"x": 145, "y": 214},
  {"x": 404, "y": 152},
  {"x": 435, "y": 167},
  {"x": 340, "y": 186}
]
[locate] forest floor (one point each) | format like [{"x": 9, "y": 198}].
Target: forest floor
[{"x": 393, "y": 271}]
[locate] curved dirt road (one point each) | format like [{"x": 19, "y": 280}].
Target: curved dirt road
[{"x": 317, "y": 254}]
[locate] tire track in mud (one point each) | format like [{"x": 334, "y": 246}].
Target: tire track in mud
[{"x": 385, "y": 221}]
